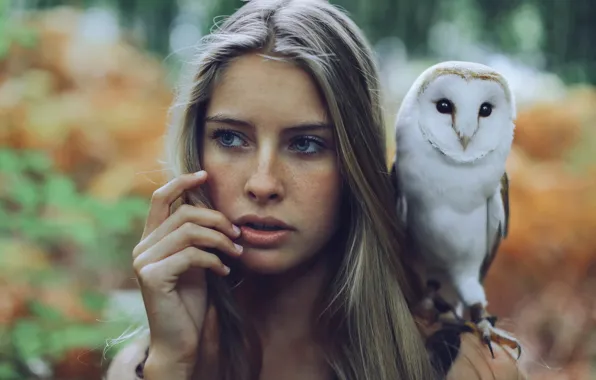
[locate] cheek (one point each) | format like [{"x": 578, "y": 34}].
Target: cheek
[
  {"x": 317, "y": 192},
  {"x": 224, "y": 177}
]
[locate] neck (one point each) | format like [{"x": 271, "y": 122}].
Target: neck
[
  {"x": 283, "y": 310},
  {"x": 283, "y": 306}
]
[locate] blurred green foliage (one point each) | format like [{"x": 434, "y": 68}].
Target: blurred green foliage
[
  {"x": 37, "y": 205},
  {"x": 565, "y": 36},
  {"x": 11, "y": 31},
  {"x": 45, "y": 207},
  {"x": 563, "y": 29}
]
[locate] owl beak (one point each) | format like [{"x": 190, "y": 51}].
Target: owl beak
[
  {"x": 464, "y": 141},
  {"x": 463, "y": 134}
]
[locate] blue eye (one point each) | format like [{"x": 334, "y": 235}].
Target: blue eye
[
  {"x": 308, "y": 145},
  {"x": 227, "y": 138},
  {"x": 302, "y": 145}
]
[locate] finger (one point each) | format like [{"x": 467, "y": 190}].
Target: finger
[
  {"x": 189, "y": 234},
  {"x": 163, "y": 274},
  {"x": 187, "y": 213},
  {"x": 162, "y": 198}
]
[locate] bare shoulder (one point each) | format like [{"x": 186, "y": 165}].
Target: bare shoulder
[
  {"x": 474, "y": 361},
  {"x": 124, "y": 364}
]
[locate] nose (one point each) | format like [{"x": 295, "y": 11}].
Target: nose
[{"x": 264, "y": 185}]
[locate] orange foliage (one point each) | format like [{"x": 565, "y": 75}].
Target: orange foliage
[
  {"x": 547, "y": 130},
  {"x": 99, "y": 109},
  {"x": 81, "y": 363},
  {"x": 13, "y": 303}
]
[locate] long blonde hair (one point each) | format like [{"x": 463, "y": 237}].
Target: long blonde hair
[{"x": 371, "y": 333}]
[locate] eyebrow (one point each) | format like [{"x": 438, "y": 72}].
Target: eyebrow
[{"x": 301, "y": 127}]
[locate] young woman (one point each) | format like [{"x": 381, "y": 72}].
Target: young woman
[{"x": 284, "y": 259}]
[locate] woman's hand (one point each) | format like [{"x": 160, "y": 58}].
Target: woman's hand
[{"x": 170, "y": 263}]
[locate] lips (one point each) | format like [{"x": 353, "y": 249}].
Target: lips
[
  {"x": 262, "y": 221},
  {"x": 263, "y": 231},
  {"x": 264, "y": 227}
]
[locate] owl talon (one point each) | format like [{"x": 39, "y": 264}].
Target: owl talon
[
  {"x": 488, "y": 333},
  {"x": 490, "y": 347}
]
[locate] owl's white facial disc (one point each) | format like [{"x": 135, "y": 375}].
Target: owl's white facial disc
[{"x": 466, "y": 116}]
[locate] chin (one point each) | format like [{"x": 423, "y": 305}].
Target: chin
[
  {"x": 271, "y": 261},
  {"x": 266, "y": 260}
]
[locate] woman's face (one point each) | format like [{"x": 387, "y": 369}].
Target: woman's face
[{"x": 269, "y": 151}]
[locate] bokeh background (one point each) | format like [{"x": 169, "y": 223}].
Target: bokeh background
[{"x": 84, "y": 90}]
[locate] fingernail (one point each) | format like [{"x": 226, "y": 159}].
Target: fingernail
[
  {"x": 226, "y": 269},
  {"x": 200, "y": 173},
  {"x": 236, "y": 229},
  {"x": 238, "y": 248}
]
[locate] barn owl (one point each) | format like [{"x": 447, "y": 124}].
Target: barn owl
[{"x": 454, "y": 132}]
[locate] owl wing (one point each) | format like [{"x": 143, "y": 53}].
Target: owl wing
[
  {"x": 497, "y": 223},
  {"x": 400, "y": 199}
]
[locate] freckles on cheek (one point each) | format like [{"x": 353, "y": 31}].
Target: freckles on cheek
[
  {"x": 319, "y": 191},
  {"x": 223, "y": 174},
  {"x": 223, "y": 191},
  {"x": 215, "y": 161}
]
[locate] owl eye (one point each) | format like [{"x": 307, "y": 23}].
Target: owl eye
[
  {"x": 485, "y": 110},
  {"x": 444, "y": 106}
]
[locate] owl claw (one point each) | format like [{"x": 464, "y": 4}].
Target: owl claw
[
  {"x": 488, "y": 333},
  {"x": 435, "y": 308},
  {"x": 490, "y": 346}
]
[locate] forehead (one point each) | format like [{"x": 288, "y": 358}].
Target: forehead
[
  {"x": 468, "y": 76},
  {"x": 264, "y": 89}
]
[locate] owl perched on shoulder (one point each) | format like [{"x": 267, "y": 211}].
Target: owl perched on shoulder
[{"x": 454, "y": 132}]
